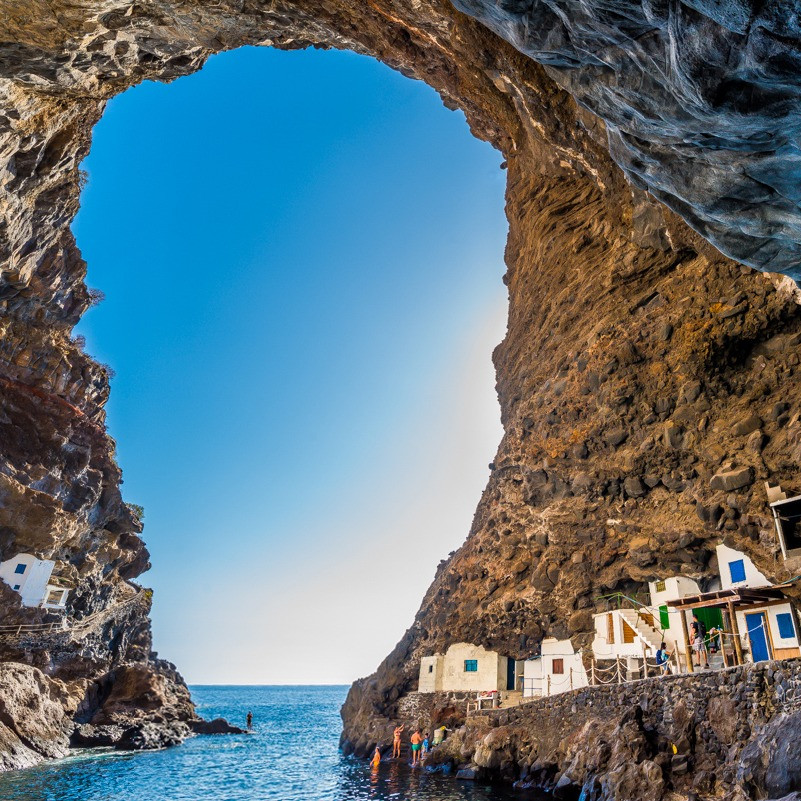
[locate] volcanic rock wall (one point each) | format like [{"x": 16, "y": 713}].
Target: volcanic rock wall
[
  {"x": 722, "y": 734},
  {"x": 647, "y": 383}
]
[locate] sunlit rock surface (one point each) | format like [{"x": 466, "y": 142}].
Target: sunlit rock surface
[{"x": 648, "y": 384}]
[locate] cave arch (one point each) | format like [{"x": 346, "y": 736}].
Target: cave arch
[{"x": 618, "y": 313}]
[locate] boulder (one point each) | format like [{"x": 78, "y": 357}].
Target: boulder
[
  {"x": 216, "y": 726},
  {"x": 732, "y": 479},
  {"x": 153, "y": 736}
]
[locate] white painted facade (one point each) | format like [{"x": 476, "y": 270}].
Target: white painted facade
[
  {"x": 671, "y": 589},
  {"x": 626, "y": 633},
  {"x": 452, "y": 671},
  {"x": 728, "y": 559},
  {"x": 31, "y": 578},
  {"x": 559, "y": 669},
  {"x": 431, "y": 673},
  {"x": 732, "y": 565}
]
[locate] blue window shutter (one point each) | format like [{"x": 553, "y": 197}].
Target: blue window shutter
[
  {"x": 471, "y": 665},
  {"x": 737, "y": 570},
  {"x": 20, "y": 568},
  {"x": 786, "y": 628}
]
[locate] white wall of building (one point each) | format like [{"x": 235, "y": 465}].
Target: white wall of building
[
  {"x": 675, "y": 587},
  {"x": 489, "y": 675},
  {"x": 431, "y": 674},
  {"x": 753, "y": 578},
  {"x": 604, "y": 647},
  {"x": 32, "y": 584},
  {"x": 781, "y": 647},
  {"x": 532, "y": 678},
  {"x": 572, "y": 674}
]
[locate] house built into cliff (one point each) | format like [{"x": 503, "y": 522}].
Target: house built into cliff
[
  {"x": 33, "y": 579},
  {"x": 465, "y": 667},
  {"x": 754, "y": 619},
  {"x": 558, "y": 669}
]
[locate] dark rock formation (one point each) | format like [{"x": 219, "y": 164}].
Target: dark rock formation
[
  {"x": 216, "y": 726},
  {"x": 700, "y": 100},
  {"x": 648, "y": 385}
]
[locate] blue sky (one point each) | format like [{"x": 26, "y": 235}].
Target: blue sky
[{"x": 302, "y": 258}]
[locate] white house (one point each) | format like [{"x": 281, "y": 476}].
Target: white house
[
  {"x": 666, "y": 620},
  {"x": 33, "y": 579},
  {"x": 559, "y": 669},
  {"x": 627, "y": 633},
  {"x": 771, "y": 629},
  {"x": 465, "y": 667}
]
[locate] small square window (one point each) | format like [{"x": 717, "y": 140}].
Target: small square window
[
  {"x": 17, "y": 586},
  {"x": 558, "y": 666},
  {"x": 471, "y": 665},
  {"x": 430, "y": 668},
  {"x": 737, "y": 571},
  {"x": 20, "y": 568},
  {"x": 660, "y": 586},
  {"x": 786, "y": 628}
]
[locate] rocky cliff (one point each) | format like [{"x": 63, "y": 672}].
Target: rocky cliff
[{"x": 648, "y": 384}]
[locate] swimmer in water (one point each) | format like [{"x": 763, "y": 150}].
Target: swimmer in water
[{"x": 376, "y": 758}]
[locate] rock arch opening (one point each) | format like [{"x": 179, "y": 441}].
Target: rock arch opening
[
  {"x": 616, "y": 379},
  {"x": 300, "y": 257}
]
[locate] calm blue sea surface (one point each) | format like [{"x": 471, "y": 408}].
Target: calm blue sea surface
[{"x": 291, "y": 756}]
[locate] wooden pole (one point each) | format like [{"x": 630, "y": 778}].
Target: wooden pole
[
  {"x": 549, "y": 684},
  {"x": 592, "y": 669},
  {"x": 723, "y": 636},
  {"x": 571, "y": 678},
  {"x": 688, "y": 653},
  {"x": 619, "y": 676},
  {"x": 735, "y": 630},
  {"x": 644, "y": 662}
]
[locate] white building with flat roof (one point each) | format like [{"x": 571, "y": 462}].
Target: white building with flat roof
[
  {"x": 771, "y": 630},
  {"x": 559, "y": 669},
  {"x": 33, "y": 579},
  {"x": 465, "y": 667}
]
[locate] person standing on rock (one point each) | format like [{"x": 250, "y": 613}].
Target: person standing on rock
[
  {"x": 417, "y": 741},
  {"x": 396, "y": 742},
  {"x": 249, "y": 720},
  {"x": 376, "y": 761}
]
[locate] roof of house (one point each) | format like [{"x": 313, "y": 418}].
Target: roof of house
[{"x": 740, "y": 596}]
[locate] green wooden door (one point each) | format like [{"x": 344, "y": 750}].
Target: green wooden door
[{"x": 712, "y": 618}]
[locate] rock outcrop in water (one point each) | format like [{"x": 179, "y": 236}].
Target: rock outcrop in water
[{"x": 647, "y": 383}]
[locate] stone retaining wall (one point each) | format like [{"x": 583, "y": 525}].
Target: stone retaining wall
[
  {"x": 732, "y": 733},
  {"x": 756, "y": 691}
]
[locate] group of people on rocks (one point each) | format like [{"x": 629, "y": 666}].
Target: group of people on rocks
[{"x": 421, "y": 745}]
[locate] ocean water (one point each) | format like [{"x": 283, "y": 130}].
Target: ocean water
[{"x": 292, "y": 755}]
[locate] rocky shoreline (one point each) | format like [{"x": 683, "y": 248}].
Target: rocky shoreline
[
  {"x": 731, "y": 734},
  {"x": 135, "y": 708}
]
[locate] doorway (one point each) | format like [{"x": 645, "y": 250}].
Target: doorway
[
  {"x": 757, "y": 625},
  {"x": 510, "y": 673}
]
